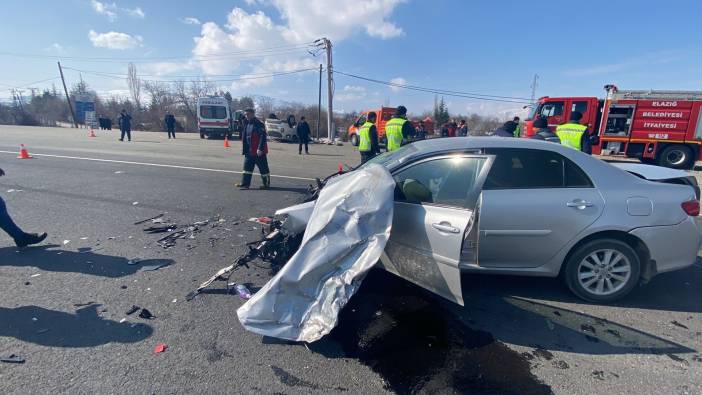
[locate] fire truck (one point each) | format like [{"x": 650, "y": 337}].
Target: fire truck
[
  {"x": 383, "y": 116},
  {"x": 655, "y": 126}
]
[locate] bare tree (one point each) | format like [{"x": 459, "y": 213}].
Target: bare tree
[{"x": 134, "y": 84}]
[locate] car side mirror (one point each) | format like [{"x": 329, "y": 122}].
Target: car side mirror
[{"x": 416, "y": 192}]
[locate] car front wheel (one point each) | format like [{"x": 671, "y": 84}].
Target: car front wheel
[{"x": 603, "y": 270}]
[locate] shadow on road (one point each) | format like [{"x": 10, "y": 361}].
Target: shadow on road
[
  {"x": 85, "y": 261},
  {"x": 421, "y": 343},
  {"x": 85, "y": 328}
]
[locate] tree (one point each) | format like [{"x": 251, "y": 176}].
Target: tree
[
  {"x": 134, "y": 84},
  {"x": 441, "y": 114}
]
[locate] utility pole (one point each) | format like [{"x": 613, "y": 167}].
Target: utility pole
[
  {"x": 68, "y": 98},
  {"x": 330, "y": 88},
  {"x": 319, "y": 101},
  {"x": 534, "y": 84}
]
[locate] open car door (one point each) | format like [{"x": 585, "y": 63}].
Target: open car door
[{"x": 434, "y": 213}]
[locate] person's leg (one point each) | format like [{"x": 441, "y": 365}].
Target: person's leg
[
  {"x": 249, "y": 163},
  {"x": 299, "y": 148},
  {"x": 129, "y": 134},
  {"x": 169, "y": 133},
  {"x": 262, "y": 163},
  {"x": 173, "y": 132},
  {"x": 307, "y": 147},
  {"x": 121, "y": 138},
  {"x": 8, "y": 225}
]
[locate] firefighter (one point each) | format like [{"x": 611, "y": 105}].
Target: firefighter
[
  {"x": 575, "y": 135},
  {"x": 368, "y": 139},
  {"x": 255, "y": 149},
  {"x": 398, "y": 129}
]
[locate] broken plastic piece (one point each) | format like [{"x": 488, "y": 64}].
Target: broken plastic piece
[
  {"x": 12, "y": 359},
  {"x": 146, "y": 314},
  {"x": 242, "y": 291},
  {"x": 161, "y": 347},
  {"x": 148, "y": 219}
]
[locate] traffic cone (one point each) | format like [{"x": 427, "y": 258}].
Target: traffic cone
[
  {"x": 226, "y": 142},
  {"x": 92, "y": 133},
  {"x": 23, "y": 154}
]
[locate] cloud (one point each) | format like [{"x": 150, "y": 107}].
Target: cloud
[
  {"x": 56, "y": 48},
  {"x": 135, "y": 12},
  {"x": 110, "y": 10},
  {"x": 107, "y": 9},
  {"x": 351, "y": 93},
  {"x": 114, "y": 40},
  {"x": 398, "y": 81},
  {"x": 190, "y": 21}
]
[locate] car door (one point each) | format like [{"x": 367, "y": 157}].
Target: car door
[
  {"x": 434, "y": 206},
  {"x": 534, "y": 202}
]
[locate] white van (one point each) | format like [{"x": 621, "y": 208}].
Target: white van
[{"x": 214, "y": 117}]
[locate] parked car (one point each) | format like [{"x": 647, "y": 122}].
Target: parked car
[{"x": 510, "y": 206}]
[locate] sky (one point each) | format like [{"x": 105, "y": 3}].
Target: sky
[{"x": 265, "y": 47}]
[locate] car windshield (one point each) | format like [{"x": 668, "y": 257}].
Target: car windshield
[
  {"x": 533, "y": 110},
  {"x": 388, "y": 159}
]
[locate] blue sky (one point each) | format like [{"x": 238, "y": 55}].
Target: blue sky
[{"x": 489, "y": 47}]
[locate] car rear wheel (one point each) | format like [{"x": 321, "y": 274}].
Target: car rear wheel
[
  {"x": 676, "y": 157},
  {"x": 354, "y": 140},
  {"x": 603, "y": 270}
]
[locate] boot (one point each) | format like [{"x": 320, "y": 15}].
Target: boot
[{"x": 30, "y": 238}]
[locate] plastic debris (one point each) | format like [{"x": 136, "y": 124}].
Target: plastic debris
[
  {"x": 35, "y": 275},
  {"x": 135, "y": 203},
  {"x": 161, "y": 347},
  {"x": 242, "y": 291},
  {"x": 146, "y": 314},
  {"x": 149, "y": 219},
  {"x": 84, "y": 238},
  {"x": 122, "y": 320},
  {"x": 12, "y": 359},
  {"x": 132, "y": 310},
  {"x": 14, "y": 190},
  {"x": 66, "y": 242}
]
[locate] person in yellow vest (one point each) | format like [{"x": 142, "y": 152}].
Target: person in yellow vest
[
  {"x": 368, "y": 138},
  {"x": 575, "y": 135},
  {"x": 398, "y": 129}
]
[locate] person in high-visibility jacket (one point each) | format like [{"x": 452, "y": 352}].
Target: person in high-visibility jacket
[
  {"x": 574, "y": 135},
  {"x": 368, "y": 138},
  {"x": 398, "y": 129}
]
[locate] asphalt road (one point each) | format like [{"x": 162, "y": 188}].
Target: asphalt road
[{"x": 64, "y": 303}]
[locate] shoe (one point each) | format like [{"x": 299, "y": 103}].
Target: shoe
[
  {"x": 121, "y": 140},
  {"x": 264, "y": 187},
  {"x": 241, "y": 186},
  {"x": 31, "y": 238}
]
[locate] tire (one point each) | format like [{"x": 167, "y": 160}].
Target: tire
[
  {"x": 625, "y": 264},
  {"x": 354, "y": 140},
  {"x": 676, "y": 157}
]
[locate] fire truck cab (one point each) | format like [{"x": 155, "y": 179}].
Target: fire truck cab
[{"x": 661, "y": 127}]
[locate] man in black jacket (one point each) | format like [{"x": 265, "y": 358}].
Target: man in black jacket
[
  {"x": 22, "y": 239},
  {"x": 170, "y": 122},
  {"x": 125, "y": 125},
  {"x": 542, "y": 132},
  {"x": 254, "y": 148},
  {"x": 303, "y": 135}
]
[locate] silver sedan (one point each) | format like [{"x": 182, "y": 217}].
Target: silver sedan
[{"x": 525, "y": 207}]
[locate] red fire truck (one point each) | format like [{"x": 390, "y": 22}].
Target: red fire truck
[{"x": 661, "y": 127}]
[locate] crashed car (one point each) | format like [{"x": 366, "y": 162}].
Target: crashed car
[{"x": 524, "y": 207}]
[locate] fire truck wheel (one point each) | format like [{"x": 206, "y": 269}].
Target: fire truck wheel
[
  {"x": 676, "y": 157},
  {"x": 354, "y": 140}
]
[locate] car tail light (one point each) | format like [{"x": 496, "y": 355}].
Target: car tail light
[{"x": 692, "y": 207}]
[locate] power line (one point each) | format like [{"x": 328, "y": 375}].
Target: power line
[
  {"x": 468, "y": 95},
  {"x": 31, "y": 83},
  {"x": 262, "y": 51},
  {"x": 122, "y": 75},
  {"x": 240, "y": 78}
]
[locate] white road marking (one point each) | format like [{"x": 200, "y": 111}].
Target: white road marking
[{"x": 154, "y": 165}]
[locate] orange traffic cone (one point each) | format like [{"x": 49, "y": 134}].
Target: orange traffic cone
[
  {"x": 23, "y": 154},
  {"x": 226, "y": 142},
  {"x": 92, "y": 133}
]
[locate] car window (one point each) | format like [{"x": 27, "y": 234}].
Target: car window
[
  {"x": 443, "y": 181},
  {"x": 552, "y": 109},
  {"x": 516, "y": 168}
]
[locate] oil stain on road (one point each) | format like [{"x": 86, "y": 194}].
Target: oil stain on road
[{"x": 405, "y": 336}]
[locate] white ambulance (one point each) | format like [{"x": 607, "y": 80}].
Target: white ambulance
[{"x": 214, "y": 117}]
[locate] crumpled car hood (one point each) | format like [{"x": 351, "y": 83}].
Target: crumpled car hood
[{"x": 346, "y": 231}]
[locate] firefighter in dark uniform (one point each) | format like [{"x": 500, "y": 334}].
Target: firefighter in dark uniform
[{"x": 255, "y": 149}]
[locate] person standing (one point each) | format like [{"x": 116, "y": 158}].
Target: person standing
[
  {"x": 463, "y": 128},
  {"x": 170, "y": 122},
  {"x": 421, "y": 131},
  {"x": 398, "y": 129},
  {"x": 506, "y": 130},
  {"x": 542, "y": 132},
  {"x": 255, "y": 151},
  {"x": 368, "y": 138},
  {"x": 518, "y": 128},
  {"x": 575, "y": 135},
  {"x": 303, "y": 135},
  {"x": 125, "y": 125},
  {"x": 21, "y": 238}
]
